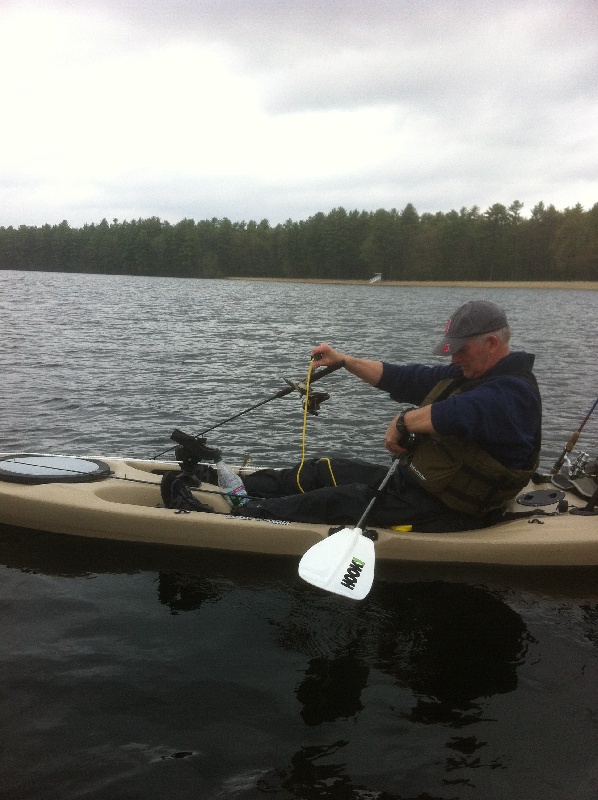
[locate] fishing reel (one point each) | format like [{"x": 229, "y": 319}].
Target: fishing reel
[
  {"x": 313, "y": 400},
  {"x": 579, "y": 476},
  {"x": 192, "y": 449},
  {"x": 581, "y": 466}
]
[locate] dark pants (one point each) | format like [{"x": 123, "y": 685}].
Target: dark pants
[{"x": 276, "y": 495}]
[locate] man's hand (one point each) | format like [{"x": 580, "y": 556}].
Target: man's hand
[
  {"x": 417, "y": 420},
  {"x": 391, "y": 438},
  {"x": 368, "y": 371},
  {"x": 325, "y": 355}
]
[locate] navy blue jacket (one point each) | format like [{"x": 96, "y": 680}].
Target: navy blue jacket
[{"x": 503, "y": 415}]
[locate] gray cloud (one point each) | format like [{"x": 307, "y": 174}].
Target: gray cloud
[{"x": 440, "y": 104}]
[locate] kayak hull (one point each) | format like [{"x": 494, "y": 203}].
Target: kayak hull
[{"x": 125, "y": 506}]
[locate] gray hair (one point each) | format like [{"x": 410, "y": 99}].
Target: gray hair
[{"x": 503, "y": 335}]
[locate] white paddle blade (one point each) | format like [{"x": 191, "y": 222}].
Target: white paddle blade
[{"x": 343, "y": 563}]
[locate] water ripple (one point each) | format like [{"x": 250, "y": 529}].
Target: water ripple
[{"x": 95, "y": 363}]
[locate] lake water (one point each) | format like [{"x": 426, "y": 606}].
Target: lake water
[{"x": 134, "y": 672}]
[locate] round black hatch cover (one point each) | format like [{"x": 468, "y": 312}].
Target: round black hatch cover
[
  {"x": 51, "y": 469},
  {"x": 541, "y": 497}
]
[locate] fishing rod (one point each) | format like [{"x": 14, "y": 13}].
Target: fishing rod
[
  {"x": 313, "y": 401},
  {"x": 572, "y": 441}
]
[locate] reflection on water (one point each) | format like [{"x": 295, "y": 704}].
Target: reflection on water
[
  {"x": 332, "y": 686},
  {"x": 181, "y": 592},
  {"x": 253, "y": 683},
  {"x": 316, "y": 771},
  {"x": 450, "y": 644}
]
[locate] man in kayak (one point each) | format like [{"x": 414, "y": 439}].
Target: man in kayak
[{"x": 471, "y": 444}]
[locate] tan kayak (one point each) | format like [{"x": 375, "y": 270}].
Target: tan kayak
[{"x": 120, "y": 499}]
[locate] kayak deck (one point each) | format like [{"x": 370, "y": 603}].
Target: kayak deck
[{"x": 126, "y": 506}]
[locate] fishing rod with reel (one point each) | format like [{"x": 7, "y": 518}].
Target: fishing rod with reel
[
  {"x": 564, "y": 457},
  {"x": 579, "y": 476},
  {"x": 191, "y": 449}
]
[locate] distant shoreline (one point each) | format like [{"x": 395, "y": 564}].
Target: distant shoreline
[{"x": 578, "y": 285}]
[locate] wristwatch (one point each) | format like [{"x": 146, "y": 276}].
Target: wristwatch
[{"x": 405, "y": 439}]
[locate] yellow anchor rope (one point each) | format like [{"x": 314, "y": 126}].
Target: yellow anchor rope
[{"x": 304, "y": 431}]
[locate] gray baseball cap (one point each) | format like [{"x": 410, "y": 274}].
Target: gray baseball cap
[{"x": 472, "y": 319}]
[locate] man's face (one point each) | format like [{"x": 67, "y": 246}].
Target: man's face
[{"x": 475, "y": 357}]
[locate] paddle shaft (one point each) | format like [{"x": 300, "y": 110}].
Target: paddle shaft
[{"x": 374, "y": 500}]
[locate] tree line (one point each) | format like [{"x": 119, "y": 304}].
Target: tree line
[{"x": 497, "y": 244}]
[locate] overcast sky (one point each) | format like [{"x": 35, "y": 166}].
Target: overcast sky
[{"x": 270, "y": 109}]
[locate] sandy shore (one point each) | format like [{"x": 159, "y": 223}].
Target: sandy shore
[{"x": 589, "y": 285}]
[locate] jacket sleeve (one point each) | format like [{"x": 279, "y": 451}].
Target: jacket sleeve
[
  {"x": 410, "y": 383},
  {"x": 502, "y": 416}
]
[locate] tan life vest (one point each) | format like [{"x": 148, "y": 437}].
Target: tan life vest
[{"x": 461, "y": 474}]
